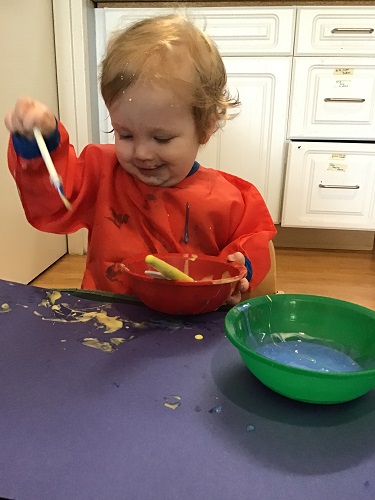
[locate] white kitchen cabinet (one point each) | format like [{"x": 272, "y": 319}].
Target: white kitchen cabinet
[
  {"x": 330, "y": 185},
  {"x": 330, "y": 172},
  {"x": 236, "y": 31},
  {"x": 335, "y": 31},
  {"x": 333, "y": 98},
  {"x": 256, "y": 45},
  {"x": 251, "y": 145},
  {"x": 323, "y": 35}
]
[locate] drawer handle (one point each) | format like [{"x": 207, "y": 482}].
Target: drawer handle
[
  {"x": 337, "y": 186},
  {"x": 353, "y": 30},
  {"x": 344, "y": 99}
]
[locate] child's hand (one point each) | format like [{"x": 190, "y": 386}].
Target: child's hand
[
  {"x": 242, "y": 285},
  {"x": 27, "y": 114}
]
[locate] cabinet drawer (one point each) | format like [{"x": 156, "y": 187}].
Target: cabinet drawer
[
  {"x": 337, "y": 31},
  {"x": 330, "y": 185},
  {"x": 236, "y": 31},
  {"x": 333, "y": 98}
]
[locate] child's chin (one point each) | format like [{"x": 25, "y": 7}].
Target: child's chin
[
  {"x": 152, "y": 181},
  {"x": 157, "y": 181}
]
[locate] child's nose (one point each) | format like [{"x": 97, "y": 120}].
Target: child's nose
[{"x": 142, "y": 150}]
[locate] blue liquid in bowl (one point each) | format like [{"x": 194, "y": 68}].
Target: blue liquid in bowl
[{"x": 309, "y": 356}]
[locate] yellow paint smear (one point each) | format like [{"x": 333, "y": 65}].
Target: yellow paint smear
[
  {"x": 171, "y": 406},
  {"x": 96, "y": 344},
  {"x": 111, "y": 323},
  {"x": 5, "y": 308},
  {"x": 53, "y": 296},
  {"x": 117, "y": 340},
  {"x": 51, "y": 299},
  {"x": 198, "y": 336}
]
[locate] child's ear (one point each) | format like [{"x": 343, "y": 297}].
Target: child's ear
[{"x": 210, "y": 129}]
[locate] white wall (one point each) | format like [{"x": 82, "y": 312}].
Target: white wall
[{"x": 27, "y": 62}]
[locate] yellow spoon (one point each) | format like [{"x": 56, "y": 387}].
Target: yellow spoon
[{"x": 167, "y": 270}]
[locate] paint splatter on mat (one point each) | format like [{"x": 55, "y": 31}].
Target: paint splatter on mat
[
  {"x": 99, "y": 320},
  {"x": 173, "y": 402},
  {"x": 216, "y": 409}
]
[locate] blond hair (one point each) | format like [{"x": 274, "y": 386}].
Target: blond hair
[{"x": 157, "y": 50}]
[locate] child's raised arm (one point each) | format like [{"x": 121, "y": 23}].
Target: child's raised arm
[{"x": 42, "y": 204}]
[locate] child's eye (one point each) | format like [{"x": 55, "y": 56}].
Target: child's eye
[
  {"x": 163, "y": 140},
  {"x": 125, "y": 137}
]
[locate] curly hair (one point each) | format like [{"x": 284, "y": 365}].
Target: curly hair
[{"x": 169, "y": 50}]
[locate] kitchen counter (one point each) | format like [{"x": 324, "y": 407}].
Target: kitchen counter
[{"x": 236, "y": 3}]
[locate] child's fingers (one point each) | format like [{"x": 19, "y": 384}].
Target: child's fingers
[
  {"x": 17, "y": 125},
  {"x": 236, "y": 257},
  {"x": 23, "y": 116},
  {"x": 37, "y": 114},
  {"x": 241, "y": 287},
  {"x": 27, "y": 114},
  {"x": 8, "y": 120},
  {"x": 234, "y": 299},
  {"x": 244, "y": 285},
  {"x": 15, "y": 118}
]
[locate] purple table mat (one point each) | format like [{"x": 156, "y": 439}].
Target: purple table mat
[{"x": 79, "y": 423}]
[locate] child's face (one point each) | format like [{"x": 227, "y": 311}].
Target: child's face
[{"x": 155, "y": 135}]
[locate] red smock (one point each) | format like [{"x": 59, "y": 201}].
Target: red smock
[{"x": 126, "y": 217}]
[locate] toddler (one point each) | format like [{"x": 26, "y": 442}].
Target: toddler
[{"x": 164, "y": 84}]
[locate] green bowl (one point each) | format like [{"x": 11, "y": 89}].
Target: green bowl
[{"x": 350, "y": 325}]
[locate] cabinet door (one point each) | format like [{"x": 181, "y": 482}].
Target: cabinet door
[
  {"x": 330, "y": 185},
  {"x": 251, "y": 145},
  {"x": 333, "y": 98}
]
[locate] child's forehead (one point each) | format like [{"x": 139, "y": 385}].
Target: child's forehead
[
  {"x": 173, "y": 64},
  {"x": 173, "y": 77},
  {"x": 154, "y": 94}
]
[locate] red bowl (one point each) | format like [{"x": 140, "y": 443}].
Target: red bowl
[{"x": 215, "y": 281}]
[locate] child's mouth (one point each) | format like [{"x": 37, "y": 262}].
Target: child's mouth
[{"x": 150, "y": 170}]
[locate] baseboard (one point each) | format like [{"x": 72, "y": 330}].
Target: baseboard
[{"x": 291, "y": 237}]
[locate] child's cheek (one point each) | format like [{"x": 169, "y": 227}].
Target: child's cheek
[{"x": 123, "y": 152}]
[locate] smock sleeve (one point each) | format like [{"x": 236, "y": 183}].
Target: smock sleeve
[
  {"x": 41, "y": 202},
  {"x": 253, "y": 230}
]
